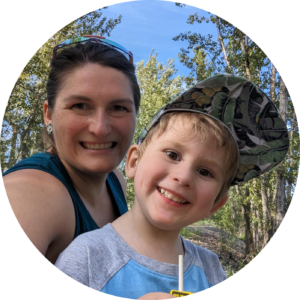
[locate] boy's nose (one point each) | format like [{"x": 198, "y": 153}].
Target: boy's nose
[
  {"x": 183, "y": 176},
  {"x": 100, "y": 124}
]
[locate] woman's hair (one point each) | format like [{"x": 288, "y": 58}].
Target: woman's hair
[
  {"x": 210, "y": 131},
  {"x": 70, "y": 58}
]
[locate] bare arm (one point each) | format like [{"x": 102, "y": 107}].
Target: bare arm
[{"x": 44, "y": 209}]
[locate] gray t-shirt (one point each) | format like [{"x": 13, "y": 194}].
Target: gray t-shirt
[{"x": 103, "y": 261}]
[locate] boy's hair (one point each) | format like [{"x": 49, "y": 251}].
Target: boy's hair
[{"x": 209, "y": 130}]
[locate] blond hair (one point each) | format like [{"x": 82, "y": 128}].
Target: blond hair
[{"x": 210, "y": 130}]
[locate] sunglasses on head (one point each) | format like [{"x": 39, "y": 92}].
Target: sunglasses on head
[{"x": 95, "y": 39}]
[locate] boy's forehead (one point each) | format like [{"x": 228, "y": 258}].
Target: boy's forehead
[
  {"x": 182, "y": 130},
  {"x": 183, "y": 127}
]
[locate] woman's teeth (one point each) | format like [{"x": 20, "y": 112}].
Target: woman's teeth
[
  {"x": 171, "y": 196},
  {"x": 97, "y": 146}
]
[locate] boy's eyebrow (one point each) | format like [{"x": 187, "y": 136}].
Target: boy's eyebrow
[{"x": 212, "y": 162}]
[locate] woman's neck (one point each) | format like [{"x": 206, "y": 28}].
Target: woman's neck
[{"x": 90, "y": 187}]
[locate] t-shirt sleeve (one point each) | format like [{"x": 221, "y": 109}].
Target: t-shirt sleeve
[
  {"x": 212, "y": 266},
  {"x": 74, "y": 261}
]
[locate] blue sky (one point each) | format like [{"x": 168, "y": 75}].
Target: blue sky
[{"x": 148, "y": 25}]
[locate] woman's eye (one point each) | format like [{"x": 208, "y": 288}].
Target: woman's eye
[
  {"x": 119, "y": 108},
  {"x": 79, "y": 106},
  {"x": 204, "y": 172},
  {"x": 173, "y": 155}
]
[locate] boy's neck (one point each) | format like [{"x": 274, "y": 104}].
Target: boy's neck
[{"x": 144, "y": 238}]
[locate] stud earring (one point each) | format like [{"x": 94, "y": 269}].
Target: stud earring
[{"x": 49, "y": 128}]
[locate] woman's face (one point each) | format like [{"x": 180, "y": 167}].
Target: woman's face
[{"x": 93, "y": 119}]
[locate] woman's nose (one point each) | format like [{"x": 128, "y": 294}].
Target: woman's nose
[{"x": 100, "y": 124}]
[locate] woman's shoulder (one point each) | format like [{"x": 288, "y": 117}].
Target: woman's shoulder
[
  {"x": 36, "y": 186},
  {"x": 34, "y": 176},
  {"x": 39, "y": 199}
]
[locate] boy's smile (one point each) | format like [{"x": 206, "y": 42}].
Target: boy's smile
[
  {"x": 172, "y": 196},
  {"x": 178, "y": 178}
]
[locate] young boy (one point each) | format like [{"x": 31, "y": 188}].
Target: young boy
[{"x": 221, "y": 132}]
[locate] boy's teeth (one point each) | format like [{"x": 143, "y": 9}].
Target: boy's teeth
[
  {"x": 97, "y": 146},
  {"x": 171, "y": 196}
]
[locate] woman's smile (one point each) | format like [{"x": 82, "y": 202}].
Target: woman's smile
[{"x": 98, "y": 146}]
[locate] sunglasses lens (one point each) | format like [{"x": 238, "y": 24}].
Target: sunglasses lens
[
  {"x": 117, "y": 47},
  {"x": 110, "y": 43}
]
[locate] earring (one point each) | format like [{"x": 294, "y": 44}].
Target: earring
[{"x": 49, "y": 128}]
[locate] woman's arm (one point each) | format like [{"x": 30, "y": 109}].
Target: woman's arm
[{"x": 44, "y": 209}]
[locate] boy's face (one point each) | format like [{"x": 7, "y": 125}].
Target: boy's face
[{"x": 177, "y": 179}]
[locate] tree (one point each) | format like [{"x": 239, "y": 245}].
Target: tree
[{"x": 22, "y": 128}]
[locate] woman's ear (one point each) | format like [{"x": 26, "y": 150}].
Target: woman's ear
[
  {"x": 47, "y": 113},
  {"x": 131, "y": 161}
]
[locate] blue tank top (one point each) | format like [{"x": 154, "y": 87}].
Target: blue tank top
[{"x": 51, "y": 164}]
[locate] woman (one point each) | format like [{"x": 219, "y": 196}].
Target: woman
[{"x": 90, "y": 114}]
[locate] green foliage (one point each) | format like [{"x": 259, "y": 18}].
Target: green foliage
[
  {"x": 229, "y": 270},
  {"x": 186, "y": 233},
  {"x": 158, "y": 87}
]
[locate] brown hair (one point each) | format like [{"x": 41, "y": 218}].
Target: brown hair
[
  {"x": 209, "y": 129},
  {"x": 74, "y": 57}
]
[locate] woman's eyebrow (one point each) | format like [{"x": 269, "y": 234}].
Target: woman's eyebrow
[
  {"x": 78, "y": 97},
  {"x": 123, "y": 100},
  {"x": 84, "y": 98}
]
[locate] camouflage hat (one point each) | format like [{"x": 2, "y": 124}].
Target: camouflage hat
[{"x": 251, "y": 117}]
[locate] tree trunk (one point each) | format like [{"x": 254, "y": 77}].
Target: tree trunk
[
  {"x": 247, "y": 220},
  {"x": 289, "y": 186},
  {"x": 280, "y": 198},
  {"x": 220, "y": 39},
  {"x": 13, "y": 146},
  {"x": 25, "y": 135},
  {"x": 272, "y": 84},
  {"x": 247, "y": 223},
  {"x": 267, "y": 222},
  {"x": 244, "y": 48}
]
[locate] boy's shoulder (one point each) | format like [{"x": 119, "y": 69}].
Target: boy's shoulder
[
  {"x": 91, "y": 243},
  {"x": 90, "y": 252},
  {"x": 208, "y": 261}
]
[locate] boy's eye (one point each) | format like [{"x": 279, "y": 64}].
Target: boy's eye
[
  {"x": 173, "y": 155},
  {"x": 204, "y": 172}
]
